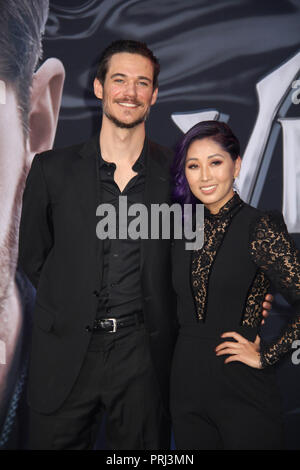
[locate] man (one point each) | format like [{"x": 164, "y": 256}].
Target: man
[
  {"x": 29, "y": 106},
  {"x": 104, "y": 319},
  {"x": 77, "y": 275}
]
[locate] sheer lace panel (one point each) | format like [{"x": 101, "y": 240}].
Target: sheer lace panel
[
  {"x": 202, "y": 261},
  {"x": 215, "y": 227},
  {"x": 275, "y": 252}
]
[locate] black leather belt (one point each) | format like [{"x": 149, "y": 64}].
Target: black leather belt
[{"x": 111, "y": 325}]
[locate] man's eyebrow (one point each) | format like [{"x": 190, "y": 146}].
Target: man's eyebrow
[
  {"x": 140, "y": 77},
  {"x": 117, "y": 75}
]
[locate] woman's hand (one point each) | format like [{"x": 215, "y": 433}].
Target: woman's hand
[{"x": 242, "y": 350}]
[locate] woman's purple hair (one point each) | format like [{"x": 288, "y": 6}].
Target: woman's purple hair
[{"x": 220, "y": 133}]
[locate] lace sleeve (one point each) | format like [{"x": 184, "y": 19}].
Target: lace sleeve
[{"x": 275, "y": 252}]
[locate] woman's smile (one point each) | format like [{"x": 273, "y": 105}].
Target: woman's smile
[{"x": 208, "y": 189}]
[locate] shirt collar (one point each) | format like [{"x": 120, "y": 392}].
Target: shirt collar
[{"x": 139, "y": 165}]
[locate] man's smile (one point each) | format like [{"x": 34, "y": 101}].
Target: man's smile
[{"x": 128, "y": 105}]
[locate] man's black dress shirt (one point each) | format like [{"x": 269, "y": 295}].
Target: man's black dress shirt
[{"x": 120, "y": 293}]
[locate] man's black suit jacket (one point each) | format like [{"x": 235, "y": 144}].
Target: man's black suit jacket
[{"x": 62, "y": 256}]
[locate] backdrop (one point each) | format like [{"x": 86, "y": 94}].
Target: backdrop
[{"x": 233, "y": 60}]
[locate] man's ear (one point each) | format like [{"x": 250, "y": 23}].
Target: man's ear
[
  {"x": 98, "y": 89},
  {"x": 46, "y": 93},
  {"x": 154, "y": 96}
]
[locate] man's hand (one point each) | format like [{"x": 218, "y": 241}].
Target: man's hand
[{"x": 267, "y": 306}]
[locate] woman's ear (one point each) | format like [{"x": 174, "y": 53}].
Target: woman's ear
[
  {"x": 237, "y": 166},
  {"x": 46, "y": 96}
]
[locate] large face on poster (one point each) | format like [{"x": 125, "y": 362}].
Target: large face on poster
[{"x": 29, "y": 106}]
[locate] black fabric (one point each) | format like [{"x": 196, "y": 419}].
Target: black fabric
[
  {"x": 240, "y": 406},
  {"x": 217, "y": 406},
  {"x": 60, "y": 253},
  {"x": 117, "y": 377},
  {"x": 120, "y": 293}
]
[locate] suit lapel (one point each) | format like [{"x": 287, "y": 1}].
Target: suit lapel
[{"x": 89, "y": 191}]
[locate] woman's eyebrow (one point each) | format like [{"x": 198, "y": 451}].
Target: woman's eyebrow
[
  {"x": 215, "y": 155},
  {"x": 209, "y": 156}
]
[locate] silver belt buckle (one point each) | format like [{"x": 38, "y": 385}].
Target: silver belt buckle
[{"x": 114, "y": 320}]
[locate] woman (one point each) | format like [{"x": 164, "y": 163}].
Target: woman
[{"x": 223, "y": 388}]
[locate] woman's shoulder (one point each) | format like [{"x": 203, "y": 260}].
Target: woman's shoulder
[
  {"x": 268, "y": 220},
  {"x": 268, "y": 234}
]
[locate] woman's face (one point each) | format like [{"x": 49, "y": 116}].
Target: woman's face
[{"x": 210, "y": 172}]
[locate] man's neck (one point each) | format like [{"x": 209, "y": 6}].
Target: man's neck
[{"x": 121, "y": 145}]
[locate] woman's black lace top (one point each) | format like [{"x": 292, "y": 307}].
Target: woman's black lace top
[
  {"x": 277, "y": 259},
  {"x": 275, "y": 253}
]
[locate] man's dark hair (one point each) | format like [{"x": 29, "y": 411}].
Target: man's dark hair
[
  {"x": 132, "y": 47},
  {"x": 22, "y": 24}
]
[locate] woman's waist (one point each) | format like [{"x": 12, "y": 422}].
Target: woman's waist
[{"x": 206, "y": 330}]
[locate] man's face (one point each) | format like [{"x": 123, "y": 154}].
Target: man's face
[
  {"x": 127, "y": 93},
  {"x": 13, "y": 171}
]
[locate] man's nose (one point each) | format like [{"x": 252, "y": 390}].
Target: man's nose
[{"x": 130, "y": 89}]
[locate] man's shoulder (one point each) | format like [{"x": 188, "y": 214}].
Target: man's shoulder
[
  {"x": 66, "y": 153},
  {"x": 155, "y": 147},
  {"x": 164, "y": 155}
]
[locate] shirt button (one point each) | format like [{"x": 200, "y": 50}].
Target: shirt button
[
  {"x": 108, "y": 310},
  {"x": 96, "y": 293},
  {"x": 88, "y": 329}
]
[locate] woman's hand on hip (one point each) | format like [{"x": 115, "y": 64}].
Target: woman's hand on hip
[{"x": 240, "y": 350}]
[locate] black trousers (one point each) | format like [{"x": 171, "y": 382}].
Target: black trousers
[
  {"x": 217, "y": 406},
  {"x": 117, "y": 378}
]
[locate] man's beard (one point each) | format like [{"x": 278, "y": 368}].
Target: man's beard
[
  {"x": 121, "y": 124},
  {"x": 125, "y": 125},
  {"x": 9, "y": 253}
]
